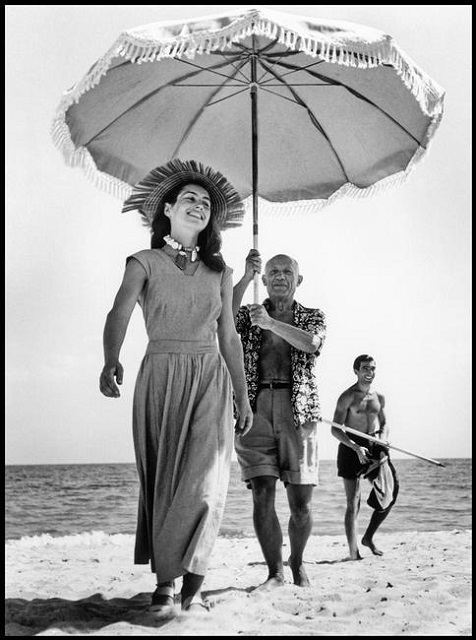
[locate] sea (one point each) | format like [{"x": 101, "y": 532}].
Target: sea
[{"x": 70, "y": 499}]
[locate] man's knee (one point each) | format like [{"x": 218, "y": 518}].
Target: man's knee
[
  {"x": 301, "y": 513},
  {"x": 300, "y": 502},
  {"x": 264, "y": 489},
  {"x": 352, "y": 509},
  {"x": 353, "y": 503}
]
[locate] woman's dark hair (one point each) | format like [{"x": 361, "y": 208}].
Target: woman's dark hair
[{"x": 209, "y": 240}]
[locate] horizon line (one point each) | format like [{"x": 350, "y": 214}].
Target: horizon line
[{"x": 52, "y": 464}]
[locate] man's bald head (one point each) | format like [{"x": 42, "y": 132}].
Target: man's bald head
[
  {"x": 281, "y": 277},
  {"x": 280, "y": 257}
]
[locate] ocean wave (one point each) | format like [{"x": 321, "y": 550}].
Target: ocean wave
[
  {"x": 87, "y": 538},
  {"x": 231, "y": 532},
  {"x": 101, "y": 538}
]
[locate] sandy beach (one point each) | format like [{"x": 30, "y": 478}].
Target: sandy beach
[{"x": 87, "y": 585}]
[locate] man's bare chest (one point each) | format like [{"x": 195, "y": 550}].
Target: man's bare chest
[
  {"x": 272, "y": 342},
  {"x": 365, "y": 404},
  {"x": 282, "y": 316}
]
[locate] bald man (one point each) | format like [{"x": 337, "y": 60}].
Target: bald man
[{"x": 281, "y": 341}]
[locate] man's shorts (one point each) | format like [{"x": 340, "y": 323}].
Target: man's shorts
[
  {"x": 350, "y": 468},
  {"x": 274, "y": 446},
  {"x": 348, "y": 463}
]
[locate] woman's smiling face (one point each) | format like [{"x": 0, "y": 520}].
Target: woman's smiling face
[{"x": 192, "y": 208}]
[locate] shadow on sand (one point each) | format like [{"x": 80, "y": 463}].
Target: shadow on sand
[
  {"x": 348, "y": 559},
  {"x": 30, "y": 617},
  {"x": 85, "y": 616},
  {"x": 218, "y": 592}
]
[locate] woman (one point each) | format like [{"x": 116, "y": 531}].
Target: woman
[{"x": 182, "y": 415}]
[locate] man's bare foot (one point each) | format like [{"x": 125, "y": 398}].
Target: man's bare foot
[
  {"x": 271, "y": 583},
  {"x": 196, "y": 605},
  {"x": 299, "y": 575},
  {"x": 355, "y": 555},
  {"x": 369, "y": 543}
]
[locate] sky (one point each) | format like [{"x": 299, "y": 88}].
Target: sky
[{"x": 391, "y": 272}]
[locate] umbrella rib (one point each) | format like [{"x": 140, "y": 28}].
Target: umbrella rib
[
  {"x": 197, "y": 116},
  {"x": 295, "y": 69},
  {"x": 225, "y": 53},
  {"x": 288, "y": 54},
  {"x": 292, "y": 84},
  {"x": 238, "y": 57},
  {"x": 274, "y": 63},
  {"x": 280, "y": 55},
  {"x": 265, "y": 52},
  {"x": 217, "y": 85},
  {"x": 258, "y": 52},
  {"x": 313, "y": 119},
  {"x": 355, "y": 93},
  {"x": 172, "y": 83},
  {"x": 279, "y": 95},
  {"x": 232, "y": 95},
  {"x": 262, "y": 52},
  {"x": 212, "y": 68}
]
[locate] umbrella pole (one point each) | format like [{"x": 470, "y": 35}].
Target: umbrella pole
[
  {"x": 254, "y": 159},
  {"x": 382, "y": 444}
]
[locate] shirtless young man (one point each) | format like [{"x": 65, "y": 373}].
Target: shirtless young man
[
  {"x": 362, "y": 408},
  {"x": 281, "y": 340}
]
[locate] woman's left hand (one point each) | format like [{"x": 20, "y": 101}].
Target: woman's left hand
[{"x": 245, "y": 417}]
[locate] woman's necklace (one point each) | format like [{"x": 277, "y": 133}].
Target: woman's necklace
[{"x": 183, "y": 252}]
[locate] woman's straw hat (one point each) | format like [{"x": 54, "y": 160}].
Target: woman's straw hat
[{"x": 150, "y": 194}]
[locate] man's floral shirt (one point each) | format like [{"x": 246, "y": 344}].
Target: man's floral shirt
[{"x": 305, "y": 397}]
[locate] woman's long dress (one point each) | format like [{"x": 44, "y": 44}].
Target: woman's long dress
[{"x": 182, "y": 418}]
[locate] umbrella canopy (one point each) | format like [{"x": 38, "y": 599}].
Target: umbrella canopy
[{"x": 336, "y": 108}]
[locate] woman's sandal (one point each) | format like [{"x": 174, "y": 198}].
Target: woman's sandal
[{"x": 162, "y": 599}]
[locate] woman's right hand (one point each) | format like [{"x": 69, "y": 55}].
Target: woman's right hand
[{"x": 107, "y": 380}]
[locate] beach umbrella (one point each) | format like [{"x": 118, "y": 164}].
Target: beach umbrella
[{"x": 295, "y": 111}]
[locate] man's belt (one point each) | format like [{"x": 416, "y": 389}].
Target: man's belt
[{"x": 275, "y": 385}]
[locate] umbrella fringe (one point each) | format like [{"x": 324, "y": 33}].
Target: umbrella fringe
[
  {"x": 114, "y": 186},
  {"x": 350, "y": 190},
  {"x": 82, "y": 158},
  {"x": 357, "y": 53},
  {"x": 370, "y": 50}
]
